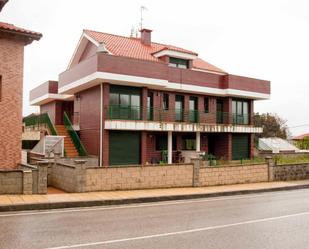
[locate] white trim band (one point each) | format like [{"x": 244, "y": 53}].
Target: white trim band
[
  {"x": 97, "y": 77},
  {"x": 49, "y": 97}
]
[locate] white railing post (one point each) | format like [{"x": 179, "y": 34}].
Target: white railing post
[
  {"x": 169, "y": 147},
  {"x": 198, "y": 141}
]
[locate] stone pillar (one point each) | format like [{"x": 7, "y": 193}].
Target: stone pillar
[
  {"x": 270, "y": 163},
  {"x": 196, "y": 171},
  {"x": 80, "y": 176},
  {"x": 42, "y": 177},
  {"x": 198, "y": 141},
  {"x": 169, "y": 147},
  {"x": 27, "y": 182},
  {"x": 56, "y": 157}
]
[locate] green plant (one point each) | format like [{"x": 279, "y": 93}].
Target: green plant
[{"x": 164, "y": 156}]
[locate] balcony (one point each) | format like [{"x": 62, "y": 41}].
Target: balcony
[{"x": 136, "y": 113}]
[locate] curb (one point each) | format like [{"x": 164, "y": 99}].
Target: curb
[{"x": 76, "y": 204}]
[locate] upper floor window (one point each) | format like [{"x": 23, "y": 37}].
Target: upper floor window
[
  {"x": 165, "y": 101},
  {"x": 206, "y": 105},
  {"x": 180, "y": 63},
  {"x": 240, "y": 110}
]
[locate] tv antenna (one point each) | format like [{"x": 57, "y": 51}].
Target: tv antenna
[{"x": 143, "y": 8}]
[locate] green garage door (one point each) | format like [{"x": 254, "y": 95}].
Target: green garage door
[
  {"x": 240, "y": 149},
  {"x": 124, "y": 148}
]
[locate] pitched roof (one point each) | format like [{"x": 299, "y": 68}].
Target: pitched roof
[
  {"x": 301, "y": 137},
  {"x": 132, "y": 47},
  {"x": 7, "y": 27}
]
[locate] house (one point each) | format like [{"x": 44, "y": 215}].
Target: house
[
  {"x": 130, "y": 100},
  {"x": 12, "y": 42},
  {"x": 300, "y": 138}
]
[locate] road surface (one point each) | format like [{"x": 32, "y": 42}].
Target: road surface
[{"x": 268, "y": 220}]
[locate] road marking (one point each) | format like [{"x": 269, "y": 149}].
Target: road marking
[
  {"x": 202, "y": 229},
  {"x": 162, "y": 203}
]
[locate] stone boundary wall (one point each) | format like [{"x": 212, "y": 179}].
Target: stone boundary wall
[
  {"x": 146, "y": 177},
  {"x": 11, "y": 181},
  {"x": 25, "y": 180},
  {"x": 289, "y": 172},
  {"x": 236, "y": 174},
  {"x": 62, "y": 176}
]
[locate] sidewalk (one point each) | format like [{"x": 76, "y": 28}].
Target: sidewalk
[{"x": 59, "y": 199}]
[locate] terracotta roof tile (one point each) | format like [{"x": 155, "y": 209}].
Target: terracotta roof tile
[
  {"x": 11, "y": 27},
  {"x": 201, "y": 64},
  {"x": 132, "y": 47},
  {"x": 301, "y": 137}
]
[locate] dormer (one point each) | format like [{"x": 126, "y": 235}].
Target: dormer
[{"x": 176, "y": 58}]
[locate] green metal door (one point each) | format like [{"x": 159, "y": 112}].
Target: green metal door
[
  {"x": 240, "y": 146},
  {"x": 124, "y": 147}
]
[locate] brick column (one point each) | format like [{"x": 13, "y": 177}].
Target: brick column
[
  {"x": 144, "y": 103},
  {"x": 143, "y": 147},
  {"x": 42, "y": 177},
  {"x": 251, "y": 112},
  {"x": 229, "y": 146},
  {"x": 251, "y": 144},
  {"x": 105, "y": 153},
  {"x": 186, "y": 108},
  {"x": 227, "y": 109},
  {"x": 27, "y": 182},
  {"x": 105, "y": 133},
  {"x": 171, "y": 105}
]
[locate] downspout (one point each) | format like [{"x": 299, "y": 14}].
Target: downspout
[{"x": 101, "y": 126}]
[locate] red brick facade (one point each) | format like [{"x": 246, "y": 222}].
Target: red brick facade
[{"x": 11, "y": 71}]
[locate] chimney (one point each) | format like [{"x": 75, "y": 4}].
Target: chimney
[{"x": 146, "y": 36}]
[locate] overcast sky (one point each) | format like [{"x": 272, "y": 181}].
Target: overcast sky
[{"x": 262, "y": 39}]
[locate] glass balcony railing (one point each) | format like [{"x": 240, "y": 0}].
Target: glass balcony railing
[{"x": 119, "y": 112}]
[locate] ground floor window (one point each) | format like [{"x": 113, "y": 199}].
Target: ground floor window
[
  {"x": 189, "y": 142},
  {"x": 161, "y": 142}
]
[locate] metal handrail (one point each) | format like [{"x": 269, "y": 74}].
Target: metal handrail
[
  {"x": 127, "y": 112},
  {"x": 74, "y": 136},
  {"x": 37, "y": 120}
]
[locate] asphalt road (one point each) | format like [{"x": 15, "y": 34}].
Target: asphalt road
[{"x": 270, "y": 220}]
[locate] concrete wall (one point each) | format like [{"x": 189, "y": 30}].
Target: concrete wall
[
  {"x": 11, "y": 182},
  {"x": 224, "y": 175},
  {"x": 146, "y": 177},
  {"x": 81, "y": 178},
  {"x": 62, "y": 176}
]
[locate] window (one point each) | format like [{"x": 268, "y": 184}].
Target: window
[
  {"x": 193, "y": 105},
  {"x": 206, "y": 105},
  {"x": 240, "y": 110},
  {"x": 179, "y": 106},
  {"x": 188, "y": 142},
  {"x": 180, "y": 63},
  {"x": 150, "y": 106},
  {"x": 125, "y": 103},
  {"x": 161, "y": 142},
  {"x": 165, "y": 101}
]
